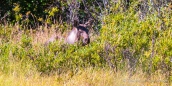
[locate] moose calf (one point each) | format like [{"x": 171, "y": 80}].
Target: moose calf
[{"x": 78, "y": 32}]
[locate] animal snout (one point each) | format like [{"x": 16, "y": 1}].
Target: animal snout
[{"x": 86, "y": 41}]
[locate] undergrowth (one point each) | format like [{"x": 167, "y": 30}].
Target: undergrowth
[{"x": 124, "y": 43}]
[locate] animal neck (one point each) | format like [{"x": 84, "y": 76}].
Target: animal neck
[{"x": 72, "y": 37}]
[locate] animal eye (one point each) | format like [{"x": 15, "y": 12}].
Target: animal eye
[{"x": 86, "y": 40}]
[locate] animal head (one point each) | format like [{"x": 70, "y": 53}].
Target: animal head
[
  {"x": 78, "y": 32},
  {"x": 85, "y": 38},
  {"x": 83, "y": 35}
]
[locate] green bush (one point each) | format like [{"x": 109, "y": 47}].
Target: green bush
[
  {"x": 124, "y": 41},
  {"x": 145, "y": 42}
]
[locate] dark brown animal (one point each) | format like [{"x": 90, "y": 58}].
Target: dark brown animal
[
  {"x": 78, "y": 32},
  {"x": 73, "y": 36},
  {"x": 84, "y": 35}
]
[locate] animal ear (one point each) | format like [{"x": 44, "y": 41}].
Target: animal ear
[
  {"x": 80, "y": 31},
  {"x": 89, "y": 22},
  {"x": 75, "y": 23}
]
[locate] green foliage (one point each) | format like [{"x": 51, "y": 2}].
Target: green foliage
[
  {"x": 4, "y": 54},
  {"x": 5, "y": 33},
  {"x": 147, "y": 42},
  {"x": 26, "y": 42},
  {"x": 124, "y": 41},
  {"x": 67, "y": 57},
  {"x": 32, "y": 13}
]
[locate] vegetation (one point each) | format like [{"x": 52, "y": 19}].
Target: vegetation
[{"x": 130, "y": 43}]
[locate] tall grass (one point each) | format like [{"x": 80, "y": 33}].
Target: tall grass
[
  {"x": 26, "y": 61},
  {"x": 127, "y": 51},
  {"x": 86, "y": 77}
]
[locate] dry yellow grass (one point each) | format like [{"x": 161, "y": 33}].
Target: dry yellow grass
[
  {"x": 39, "y": 35},
  {"x": 85, "y": 77},
  {"x": 20, "y": 75}
]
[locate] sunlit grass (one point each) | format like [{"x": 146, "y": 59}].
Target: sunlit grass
[
  {"x": 20, "y": 70},
  {"x": 84, "y": 77},
  {"x": 19, "y": 73}
]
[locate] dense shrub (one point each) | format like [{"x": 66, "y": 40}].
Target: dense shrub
[
  {"x": 124, "y": 42},
  {"x": 144, "y": 44}
]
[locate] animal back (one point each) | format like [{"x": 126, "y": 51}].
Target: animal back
[{"x": 71, "y": 37}]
